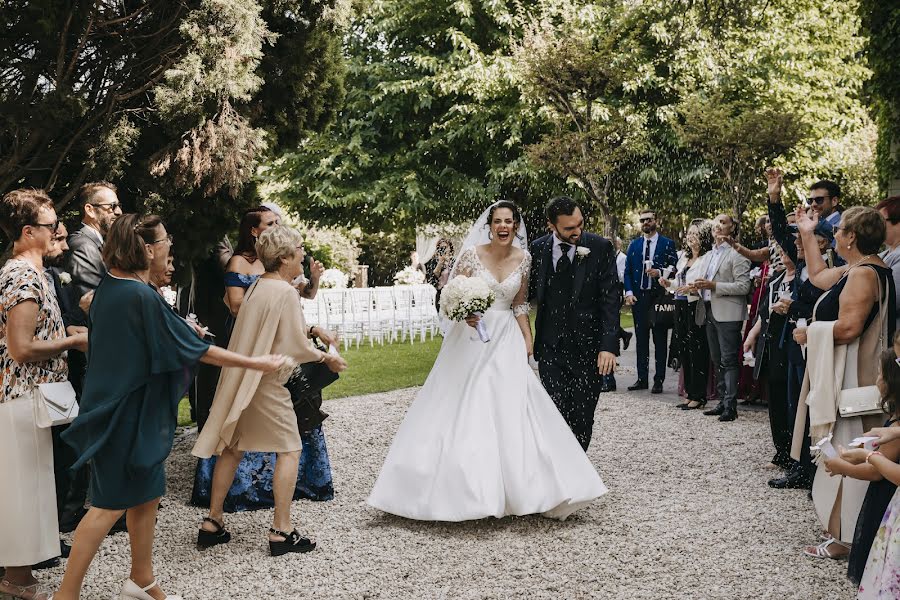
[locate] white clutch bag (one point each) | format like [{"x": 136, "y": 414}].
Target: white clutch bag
[
  {"x": 859, "y": 402},
  {"x": 55, "y": 404}
]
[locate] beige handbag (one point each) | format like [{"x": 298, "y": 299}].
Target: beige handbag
[
  {"x": 54, "y": 404},
  {"x": 866, "y": 400}
]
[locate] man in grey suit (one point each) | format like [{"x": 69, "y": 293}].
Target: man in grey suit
[
  {"x": 99, "y": 209},
  {"x": 724, "y": 292}
]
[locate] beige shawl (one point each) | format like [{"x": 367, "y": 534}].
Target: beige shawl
[{"x": 270, "y": 322}]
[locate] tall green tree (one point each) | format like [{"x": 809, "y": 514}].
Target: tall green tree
[
  {"x": 176, "y": 102},
  {"x": 434, "y": 125}
]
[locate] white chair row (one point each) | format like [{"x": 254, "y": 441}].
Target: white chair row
[{"x": 381, "y": 314}]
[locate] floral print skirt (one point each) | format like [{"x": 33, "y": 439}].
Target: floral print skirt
[
  {"x": 252, "y": 487},
  {"x": 881, "y": 579}
]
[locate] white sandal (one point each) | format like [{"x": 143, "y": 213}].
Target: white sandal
[
  {"x": 821, "y": 551},
  {"x": 35, "y": 591}
]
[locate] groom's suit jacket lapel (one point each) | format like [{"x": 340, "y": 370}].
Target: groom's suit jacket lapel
[
  {"x": 580, "y": 272},
  {"x": 546, "y": 265}
]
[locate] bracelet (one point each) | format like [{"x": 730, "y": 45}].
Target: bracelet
[{"x": 869, "y": 455}]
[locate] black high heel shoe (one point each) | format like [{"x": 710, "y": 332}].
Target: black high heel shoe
[
  {"x": 292, "y": 543},
  {"x": 208, "y": 539},
  {"x": 701, "y": 404}
]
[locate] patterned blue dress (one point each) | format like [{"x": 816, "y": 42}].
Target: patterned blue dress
[{"x": 252, "y": 487}]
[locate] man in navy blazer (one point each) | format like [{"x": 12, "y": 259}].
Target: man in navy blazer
[{"x": 647, "y": 256}]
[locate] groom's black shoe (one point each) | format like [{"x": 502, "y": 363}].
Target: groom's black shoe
[
  {"x": 607, "y": 387},
  {"x": 657, "y": 387},
  {"x": 640, "y": 384},
  {"x": 715, "y": 412},
  {"x": 626, "y": 339}
]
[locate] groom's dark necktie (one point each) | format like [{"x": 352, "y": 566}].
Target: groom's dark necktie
[{"x": 563, "y": 263}]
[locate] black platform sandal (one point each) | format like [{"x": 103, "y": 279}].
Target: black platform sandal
[
  {"x": 208, "y": 539},
  {"x": 292, "y": 543}
]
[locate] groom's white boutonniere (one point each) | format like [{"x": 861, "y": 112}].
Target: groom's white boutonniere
[
  {"x": 582, "y": 252},
  {"x": 65, "y": 278}
]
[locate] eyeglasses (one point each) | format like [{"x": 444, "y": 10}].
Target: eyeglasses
[
  {"x": 647, "y": 219},
  {"x": 53, "y": 227},
  {"x": 169, "y": 238},
  {"x": 818, "y": 199}
]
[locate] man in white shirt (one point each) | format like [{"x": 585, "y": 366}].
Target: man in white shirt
[{"x": 723, "y": 292}]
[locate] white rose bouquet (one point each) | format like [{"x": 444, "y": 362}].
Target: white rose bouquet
[
  {"x": 464, "y": 296},
  {"x": 333, "y": 278},
  {"x": 409, "y": 276}
]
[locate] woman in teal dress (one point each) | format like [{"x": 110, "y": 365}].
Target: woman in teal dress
[{"x": 141, "y": 359}]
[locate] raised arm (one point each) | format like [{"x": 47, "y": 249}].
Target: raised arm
[
  {"x": 778, "y": 216},
  {"x": 821, "y": 275}
]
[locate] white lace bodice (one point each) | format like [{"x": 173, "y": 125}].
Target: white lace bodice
[{"x": 510, "y": 293}]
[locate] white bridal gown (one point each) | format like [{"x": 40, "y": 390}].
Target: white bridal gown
[{"x": 483, "y": 438}]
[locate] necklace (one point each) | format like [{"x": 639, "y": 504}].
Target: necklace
[
  {"x": 860, "y": 260},
  {"x": 136, "y": 276}
]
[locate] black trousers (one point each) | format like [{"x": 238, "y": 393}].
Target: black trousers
[
  {"x": 693, "y": 350},
  {"x": 71, "y": 488},
  {"x": 775, "y": 379},
  {"x": 642, "y": 330},
  {"x": 574, "y": 386}
]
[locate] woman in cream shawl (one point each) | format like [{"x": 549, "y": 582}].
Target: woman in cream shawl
[{"x": 252, "y": 411}]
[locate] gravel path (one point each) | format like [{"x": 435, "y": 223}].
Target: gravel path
[{"x": 688, "y": 515}]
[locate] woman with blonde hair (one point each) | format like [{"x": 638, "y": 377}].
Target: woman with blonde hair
[
  {"x": 254, "y": 412},
  {"x": 855, "y": 320}
]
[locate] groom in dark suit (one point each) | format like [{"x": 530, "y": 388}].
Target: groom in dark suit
[{"x": 574, "y": 283}]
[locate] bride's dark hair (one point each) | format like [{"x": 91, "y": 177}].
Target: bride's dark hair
[{"x": 517, "y": 216}]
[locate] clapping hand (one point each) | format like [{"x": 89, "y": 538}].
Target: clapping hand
[
  {"x": 800, "y": 335},
  {"x": 782, "y": 306},
  {"x": 316, "y": 268},
  {"x": 804, "y": 223},
  {"x": 774, "y": 178},
  {"x": 85, "y": 302},
  {"x": 704, "y": 284}
]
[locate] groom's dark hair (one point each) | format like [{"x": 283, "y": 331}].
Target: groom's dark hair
[{"x": 561, "y": 205}]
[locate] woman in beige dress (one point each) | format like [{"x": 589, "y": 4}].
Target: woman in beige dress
[
  {"x": 33, "y": 345},
  {"x": 252, "y": 412}
]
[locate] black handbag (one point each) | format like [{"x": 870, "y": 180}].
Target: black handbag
[
  {"x": 305, "y": 385},
  {"x": 662, "y": 311}
]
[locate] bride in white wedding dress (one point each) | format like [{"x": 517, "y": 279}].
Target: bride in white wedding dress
[{"x": 483, "y": 438}]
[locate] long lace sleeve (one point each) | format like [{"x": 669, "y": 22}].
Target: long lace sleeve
[{"x": 520, "y": 305}]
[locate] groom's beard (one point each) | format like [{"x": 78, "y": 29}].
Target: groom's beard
[{"x": 572, "y": 239}]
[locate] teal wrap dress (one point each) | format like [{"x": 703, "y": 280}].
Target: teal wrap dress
[{"x": 141, "y": 359}]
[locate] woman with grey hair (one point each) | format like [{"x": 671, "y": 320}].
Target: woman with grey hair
[{"x": 253, "y": 412}]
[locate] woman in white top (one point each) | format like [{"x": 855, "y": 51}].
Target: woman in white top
[{"x": 689, "y": 342}]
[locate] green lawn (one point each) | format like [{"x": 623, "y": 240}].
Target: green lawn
[{"x": 382, "y": 368}]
